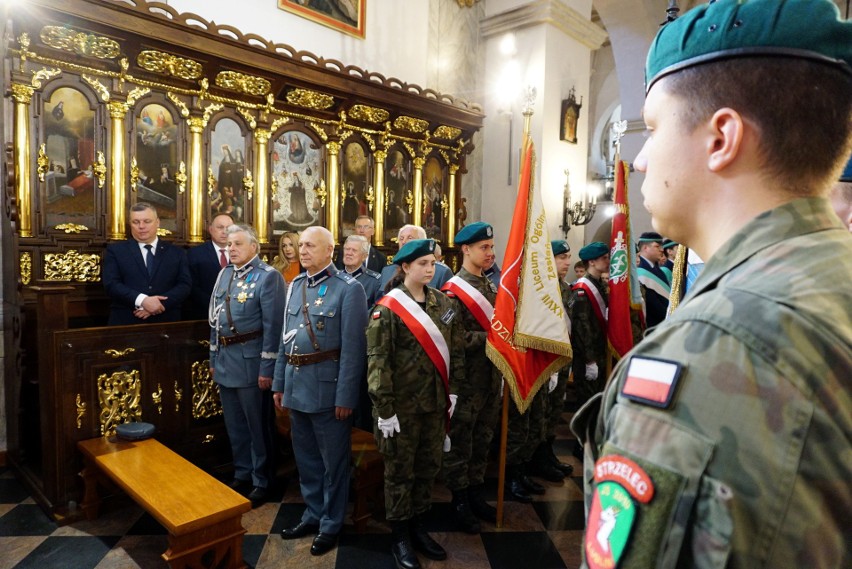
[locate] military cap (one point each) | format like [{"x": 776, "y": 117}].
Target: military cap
[
  {"x": 668, "y": 243},
  {"x": 808, "y": 29},
  {"x": 593, "y": 251},
  {"x": 651, "y": 237},
  {"x": 846, "y": 176},
  {"x": 559, "y": 246},
  {"x": 414, "y": 250},
  {"x": 474, "y": 233}
]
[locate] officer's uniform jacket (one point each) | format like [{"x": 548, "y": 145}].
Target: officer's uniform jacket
[
  {"x": 371, "y": 281},
  {"x": 335, "y": 306},
  {"x": 750, "y": 461},
  {"x": 255, "y": 295}
]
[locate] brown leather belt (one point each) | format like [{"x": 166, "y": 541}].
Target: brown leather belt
[
  {"x": 313, "y": 358},
  {"x": 239, "y": 338}
]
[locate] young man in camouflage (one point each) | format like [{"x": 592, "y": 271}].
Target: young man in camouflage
[{"x": 723, "y": 439}]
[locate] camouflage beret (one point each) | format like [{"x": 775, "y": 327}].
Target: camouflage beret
[
  {"x": 846, "y": 176},
  {"x": 668, "y": 243},
  {"x": 473, "y": 233},
  {"x": 809, "y": 29},
  {"x": 559, "y": 246},
  {"x": 593, "y": 251},
  {"x": 651, "y": 237},
  {"x": 414, "y": 250}
]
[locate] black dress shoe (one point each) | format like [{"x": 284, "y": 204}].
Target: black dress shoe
[
  {"x": 423, "y": 543},
  {"x": 547, "y": 471},
  {"x": 301, "y": 529},
  {"x": 531, "y": 485},
  {"x": 403, "y": 555},
  {"x": 517, "y": 491},
  {"x": 257, "y": 496},
  {"x": 240, "y": 486},
  {"x": 323, "y": 543}
]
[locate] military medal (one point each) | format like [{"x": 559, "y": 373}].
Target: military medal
[
  {"x": 321, "y": 325},
  {"x": 241, "y": 298},
  {"x": 321, "y": 292}
]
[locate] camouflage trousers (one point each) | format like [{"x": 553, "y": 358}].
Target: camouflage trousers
[
  {"x": 412, "y": 462},
  {"x": 556, "y": 402},
  {"x": 471, "y": 431},
  {"x": 526, "y": 431}
]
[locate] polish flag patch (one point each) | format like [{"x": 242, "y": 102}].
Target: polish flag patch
[{"x": 651, "y": 381}]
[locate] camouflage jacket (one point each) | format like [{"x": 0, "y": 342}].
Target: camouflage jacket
[
  {"x": 588, "y": 338},
  {"x": 750, "y": 461},
  {"x": 401, "y": 379}
]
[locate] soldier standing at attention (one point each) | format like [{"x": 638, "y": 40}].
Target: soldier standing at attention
[
  {"x": 477, "y": 410},
  {"x": 246, "y": 310},
  {"x": 723, "y": 438},
  {"x": 415, "y": 354},
  {"x": 321, "y": 361}
]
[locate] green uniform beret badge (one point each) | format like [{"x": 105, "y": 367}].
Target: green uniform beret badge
[
  {"x": 414, "y": 250},
  {"x": 474, "y": 233}
]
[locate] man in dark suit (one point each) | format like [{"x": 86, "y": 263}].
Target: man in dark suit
[
  {"x": 365, "y": 227},
  {"x": 654, "y": 281},
  {"x": 205, "y": 262},
  {"x": 146, "y": 278}
]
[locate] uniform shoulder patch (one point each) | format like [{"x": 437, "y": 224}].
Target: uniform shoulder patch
[
  {"x": 377, "y": 314},
  {"x": 299, "y": 276},
  {"x": 651, "y": 381},
  {"x": 373, "y": 274},
  {"x": 448, "y": 316},
  {"x": 344, "y": 276},
  {"x": 266, "y": 267}
]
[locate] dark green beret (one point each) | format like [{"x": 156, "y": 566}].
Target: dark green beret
[
  {"x": 846, "y": 176},
  {"x": 651, "y": 237},
  {"x": 474, "y": 233},
  {"x": 559, "y": 246},
  {"x": 809, "y": 29},
  {"x": 414, "y": 250},
  {"x": 668, "y": 243},
  {"x": 593, "y": 251}
]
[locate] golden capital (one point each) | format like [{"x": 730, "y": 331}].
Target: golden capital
[
  {"x": 262, "y": 135},
  {"x": 197, "y": 124},
  {"x": 454, "y": 168},
  {"x": 380, "y": 155},
  {"x": 118, "y": 109},
  {"x": 333, "y": 147},
  {"x": 22, "y": 93},
  {"x": 419, "y": 162}
]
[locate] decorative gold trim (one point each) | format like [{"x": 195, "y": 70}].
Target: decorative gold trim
[
  {"x": 242, "y": 83},
  {"x": 210, "y": 109},
  {"x": 99, "y": 87},
  {"x": 277, "y": 123},
  {"x": 320, "y": 130},
  {"x": 409, "y": 200},
  {"x": 180, "y": 177},
  {"x": 246, "y": 114},
  {"x": 248, "y": 184},
  {"x": 22, "y": 93},
  {"x": 168, "y": 64},
  {"x": 310, "y": 99},
  {"x": 134, "y": 174},
  {"x": 157, "y": 398},
  {"x": 136, "y": 94},
  {"x": 116, "y": 353},
  {"x": 24, "y": 42},
  {"x": 43, "y": 161},
  {"x": 81, "y": 43},
  {"x": 205, "y": 392},
  {"x": 81, "y": 411},
  {"x": 411, "y": 124},
  {"x": 99, "y": 169},
  {"x": 184, "y": 110},
  {"x": 178, "y": 397},
  {"x": 23, "y": 167},
  {"x": 208, "y": 438},
  {"x": 370, "y": 197},
  {"x": 72, "y": 266},
  {"x": 44, "y": 74},
  {"x": 447, "y": 132},
  {"x": 163, "y": 232},
  {"x": 26, "y": 265},
  {"x": 322, "y": 193},
  {"x": 369, "y": 114},
  {"x": 71, "y": 228},
  {"x": 211, "y": 181},
  {"x": 119, "y": 395},
  {"x": 445, "y": 207}
]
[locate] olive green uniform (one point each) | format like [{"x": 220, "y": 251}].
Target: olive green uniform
[{"x": 588, "y": 340}]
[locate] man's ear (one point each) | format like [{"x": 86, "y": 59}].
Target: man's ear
[{"x": 726, "y": 130}]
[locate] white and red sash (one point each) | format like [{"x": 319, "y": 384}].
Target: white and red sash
[
  {"x": 595, "y": 298},
  {"x": 423, "y": 328},
  {"x": 474, "y": 300}
]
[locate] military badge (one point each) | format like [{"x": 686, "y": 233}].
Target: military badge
[
  {"x": 618, "y": 482},
  {"x": 377, "y": 315},
  {"x": 241, "y": 298},
  {"x": 448, "y": 316},
  {"x": 651, "y": 381}
]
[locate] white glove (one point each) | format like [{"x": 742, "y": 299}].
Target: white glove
[
  {"x": 591, "y": 371},
  {"x": 453, "y": 399},
  {"x": 551, "y": 385},
  {"x": 447, "y": 444},
  {"x": 388, "y": 426}
]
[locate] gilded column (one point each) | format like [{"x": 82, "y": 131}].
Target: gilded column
[
  {"x": 261, "y": 197},
  {"x": 379, "y": 207},
  {"x": 451, "y": 218},
  {"x": 333, "y": 203},
  {"x": 196, "y": 180},
  {"x": 23, "y": 94},
  {"x": 117, "y": 175},
  {"x": 418, "y": 190}
]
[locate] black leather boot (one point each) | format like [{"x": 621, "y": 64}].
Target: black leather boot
[
  {"x": 531, "y": 485},
  {"x": 563, "y": 467},
  {"x": 461, "y": 506},
  {"x": 480, "y": 508},
  {"x": 424, "y": 543},
  {"x": 402, "y": 550},
  {"x": 540, "y": 465},
  {"x": 515, "y": 489}
]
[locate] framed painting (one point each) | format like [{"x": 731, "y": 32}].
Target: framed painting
[
  {"x": 297, "y": 174},
  {"x": 435, "y": 204},
  {"x": 398, "y": 185},
  {"x": 226, "y": 193},
  {"x": 347, "y": 16},
  {"x": 157, "y": 159},
  {"x": 354, "y": 187}
]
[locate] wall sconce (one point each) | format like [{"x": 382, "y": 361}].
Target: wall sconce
[
  {"x": 569, "y": 118},
  {"x": 578, "y": 207}
]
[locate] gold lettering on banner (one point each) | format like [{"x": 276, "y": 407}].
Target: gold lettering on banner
[
  {"x": 72, "y": 266},
  {"x": 310, "y": 99},
  {"x": 81, "y": 43},
  {"x": 410, "y": 124},
  {"x": 205, "y": 392},
  {"x": 447, "y": 132},
  {"x": 369, "y": 114},
  {"x": 119, "y": 395},
  {"x": 168, "y": 64},
  {"x": 26, "y": 264},
  {"x": 248, "y": 84}
]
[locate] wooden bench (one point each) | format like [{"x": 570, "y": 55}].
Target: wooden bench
[{"x": 202, "y": 515}]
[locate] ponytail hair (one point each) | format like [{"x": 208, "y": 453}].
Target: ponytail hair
[{"x": 397, "y": 279}]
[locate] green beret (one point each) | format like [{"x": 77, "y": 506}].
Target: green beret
[
  {"x": 593, "y": 251},
  {"x": 846, "y": 176},
  {"x": 809, "y": 29},
  {"x": 651, "y": 237},
  {"x": 559, "y": 246},
  {"x": 668, "y": 243},
  {"x": 414, "y": 250},
  {"x": 474, "y": 233}
]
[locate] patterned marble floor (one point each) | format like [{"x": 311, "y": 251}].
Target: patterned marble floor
[{"x": 543, "y": 535}]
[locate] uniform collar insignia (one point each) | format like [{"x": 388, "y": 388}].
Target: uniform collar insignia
[{"x": 314, "y": 280}]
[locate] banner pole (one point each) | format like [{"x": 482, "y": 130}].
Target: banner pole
[{"x": 501, "y": 470}]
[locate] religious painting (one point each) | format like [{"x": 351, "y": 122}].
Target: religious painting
[
  {"x": 569, "y": 117},
  {"x": 297, "y": 164},
  {"x": 347, "y": 16},
  {"x": 69, "y": 143},
  {"x": 157, "y": 160},
  {"x": 435, "y": 206},
  {"x": 398, "y": 187},
  {"x": 225, "y": 187},
  {"x": 356, "y": 194}
]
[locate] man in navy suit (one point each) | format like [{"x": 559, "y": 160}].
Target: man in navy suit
[
  {"x": 205, "y": 262},
  {"x": 146, "y": 278}
]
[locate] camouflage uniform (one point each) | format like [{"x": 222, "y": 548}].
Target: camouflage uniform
[
  {"x": 751, "y": 461},
  {"x": 478, "y": 408},
  {"x": 403, "y": 381},
  {"x": 526, "y": 431},
  {"x": 556, "y": 398},
  {"x": 588, "y": 340}
]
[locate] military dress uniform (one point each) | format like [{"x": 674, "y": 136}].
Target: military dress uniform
[
  {"x": 321, "y": 360},
  {"x": 246, "y": 311},
  {"x": 588, "y": 338},
  {"x": 371, "y": 281}
]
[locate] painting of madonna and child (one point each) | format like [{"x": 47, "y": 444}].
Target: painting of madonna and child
[{"x": 297, "y": 173}]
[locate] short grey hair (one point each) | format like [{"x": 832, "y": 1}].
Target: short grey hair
[
  {"x": 365, "y": 245},
  {"x": 421, "y": 233},
  {"x": 243, "y": 228}
]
